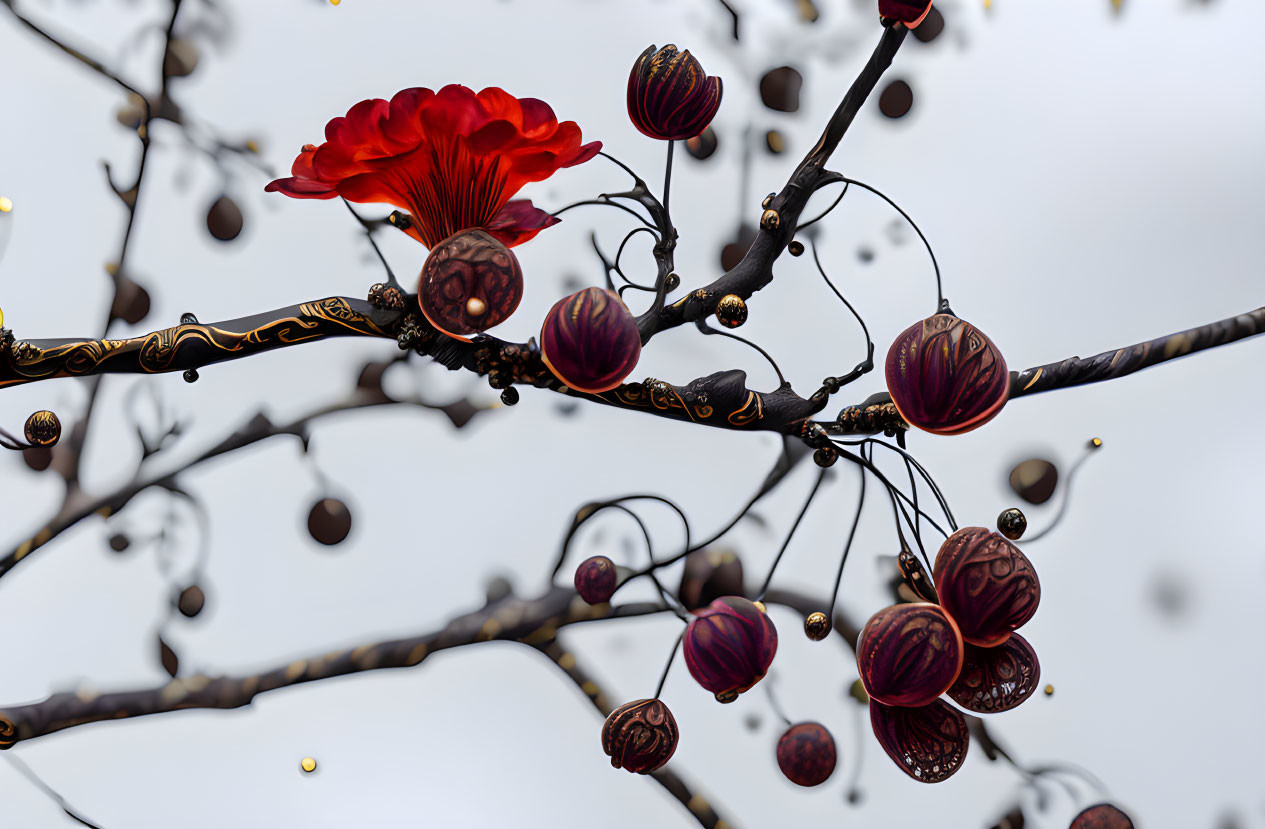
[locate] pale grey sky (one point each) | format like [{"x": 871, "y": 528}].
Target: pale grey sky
[{"x": 1087, "y": 182}]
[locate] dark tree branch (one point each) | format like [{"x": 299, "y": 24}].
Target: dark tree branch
[
  {"x": 1110, "y": 365},
  {"x": 510, "y": 619},
  {"x": 698, "y": 806}
]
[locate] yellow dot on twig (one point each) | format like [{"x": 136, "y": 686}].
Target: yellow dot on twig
[
  {"x": 1, "y": 316},
  {"x": 1049, "y": 690},
  {"x": 308, "y": 764},
  {"x": 6, "y": 204},
  {"x": 1096, "y": 442},
  {"x": 335, "y": 2}
]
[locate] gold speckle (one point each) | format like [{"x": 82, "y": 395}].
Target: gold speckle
[
  {"x": 1049, "y": 690},
  {"x": 172, "y": 692},
  {"x": 1096, "y": 442},
  {"x": 308, "y": 764},
  {"x": 489, "y": 630},
  {"x": 252, "y": 146},
  {"x": 589, "y": 688},
  {"x": 23, "y": 550},
  {"x": 295, "y": 670},
  {"x": 42, "y": 537},
  {"x": 566, "y": 661},
  {"x": 760, "y": 607},
  {"x": 335, "y": 2},
  {"x": 6, "y": 204},
  {"x": 1, "y": 316},
  {"x": 417, "y": 654},
  {"x": 698, "y": 804}
]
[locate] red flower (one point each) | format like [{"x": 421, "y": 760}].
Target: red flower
[{"x": 451, "y": 158}]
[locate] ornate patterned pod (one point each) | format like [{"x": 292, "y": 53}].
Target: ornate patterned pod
[
  {"x": 806, "y": 754},
  {"x": 595, "y": 579},
  {"x": 708, "y": 575},
  {"x": 42, "y": 428},
  {"x": 729, "y": 646},
  {"x": 986, "y": 584},
  {"x": 945, "y": 376},
  {"x": 470, "y": 282},
  {"x": 928, "y": 743},
  {"x": 997, "y": 679},
  {"x": 670, "y": 96},
  {"x": 1102, "y": 816},
  {"x": 640, "y": 736},
  {"x": 909, "y": 12},
  {"x": 909, "y": 654},
  {"x": 590, "y": 340}
]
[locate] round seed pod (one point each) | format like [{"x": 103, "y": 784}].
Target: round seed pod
[
  {"x": 191, "y": 601},
  {"x": 589, "y": 340},
  {"x": 42, "y": 428},
  {"x": 1102, "y": 816},
  {"x": 595, "y": 579},
  {"x": 1034, "y": 480},
  {"x": 909, "y": 654},
  {"x": 945, "y": 376},
  {"x": 806, "y": 754},
  {"x": 640, "y": 736},
  {"x": 986, "y": 584},
  {"x": 329, "y": 521},
  {"x": 817, "y": 626},
  {"x": 224, "y": 219},
  {"x": 1012, "y": 523},
  {"x": 471, "y": 282},
  {"x": 731, "y": 311},
  {"x": 729, "y": 646}
]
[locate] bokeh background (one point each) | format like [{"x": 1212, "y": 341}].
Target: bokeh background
[{"x": 1089, "y": 177}]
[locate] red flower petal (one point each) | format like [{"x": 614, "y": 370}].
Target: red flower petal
[
  {"x": 519, "y": 221},
  {"x": 452, "y": 158}
]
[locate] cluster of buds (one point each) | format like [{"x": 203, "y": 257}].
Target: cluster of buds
[{"x": 909, "y": 655}]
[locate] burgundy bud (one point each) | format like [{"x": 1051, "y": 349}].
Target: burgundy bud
[
  {"x": 997, "y": 679},
  {"x": 909, "y": 654},
  {"x": 590, "y": 341},
  {"x": 640, "y": 736},
  {"x": 945, "y": 376},
  {"x": 729, "y": 646},
  {"x": 986, "y": 584},
  {"x": 595, "y": 579},
  {"x": 928, "y": 743},
  {"x": 1102, "y": 816},
  {"x": 470, "y": 282},
  {"x": 670, "y": 96},
  {"x": 806, "y": 754}
]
